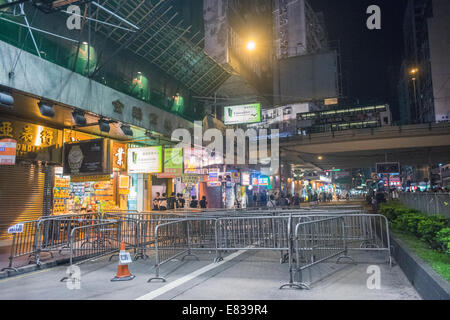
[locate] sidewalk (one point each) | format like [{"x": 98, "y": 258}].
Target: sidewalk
[{"x": 5, "y": 248}]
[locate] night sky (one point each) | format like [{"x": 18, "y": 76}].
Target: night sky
[{"x": 370, "y": 58}]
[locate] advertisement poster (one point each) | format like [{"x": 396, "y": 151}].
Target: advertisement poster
[
  {"x": 193, "y": 160},
  {"x": 248, "y": 113},
  {"x": 173, "y": 161},
  {"x": 8, "y": 152},
  {"x": 85, "y": 158},
  {"x": 283, "y": 118},
  {"x": 245, "y": 179},
  {"x": 145, "y": 160}
]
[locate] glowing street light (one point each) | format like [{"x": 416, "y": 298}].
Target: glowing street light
[
  {"x": 251, "y": 45},
  {"x": 413, "y": 71}
]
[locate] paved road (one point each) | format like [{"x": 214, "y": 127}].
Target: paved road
[{"x": 250, "y": 275}]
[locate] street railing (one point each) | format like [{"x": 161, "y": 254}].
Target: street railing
[
  {"x": 428, "y": 203},
  {"x": 23, "y": 244},
  {"x": 92, "y": 241},
  {"x": 315, "y": 242}
]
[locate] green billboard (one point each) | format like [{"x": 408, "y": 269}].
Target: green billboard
[{"x": 242, "y": 114}]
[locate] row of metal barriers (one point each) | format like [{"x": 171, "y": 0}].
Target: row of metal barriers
[{"x": 303, "y": 237}]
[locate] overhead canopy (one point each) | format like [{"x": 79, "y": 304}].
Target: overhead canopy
[{"x": 161, "y": 41}]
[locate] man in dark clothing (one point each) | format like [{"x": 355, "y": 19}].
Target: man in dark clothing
[
  {"x": 180, "y": 201},
  {"x": 156, "y": 201},
  {"x": 163, "y": 202},
  {"x": 194, "y": 202},
  {"x": 203, "y": 203},
  {"x": 171, "y": 201}
]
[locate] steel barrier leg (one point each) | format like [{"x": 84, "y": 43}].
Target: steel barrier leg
[
  {"x": 218, "y": 257},
  {"x": 156, "y": 277},
  {"x": 189, "y": 254},
  {"x": 11, "y": 257},
  {"x": 291, "y": 283},
  {"x": 345, "y": 256}
]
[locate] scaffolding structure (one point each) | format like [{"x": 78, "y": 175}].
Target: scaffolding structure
[{"x": 162, "y": 41}]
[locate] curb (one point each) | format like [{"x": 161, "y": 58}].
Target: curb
[
  {"x": 428, "y": 283},
  {"x": 32, "y": 268}
]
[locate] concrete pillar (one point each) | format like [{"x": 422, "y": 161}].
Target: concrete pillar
[{"x": 149, "y": 192}]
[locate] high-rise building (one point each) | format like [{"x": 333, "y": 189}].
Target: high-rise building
[
  {"x": 239, "y": 38},
  {"x": 425, "y": 84},
  {"x": 264, "y": 58}
]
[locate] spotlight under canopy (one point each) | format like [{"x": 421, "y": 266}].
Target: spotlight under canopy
[
  {"x": 79, "y": 118},
  {"x": 127, "y": 130},
  {"x": 46, "y": 109},
  {"x": 104, "y": 126},
  {"x": 6, "y": 100}
]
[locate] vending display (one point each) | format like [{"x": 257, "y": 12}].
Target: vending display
[
  {"x": 61, "y": 196},
  {"x": 77, "y": 197}
]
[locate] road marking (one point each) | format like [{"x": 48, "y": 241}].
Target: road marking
[
  {"x": 28, "y": 274},
  {"x": 156, "y": 293}
]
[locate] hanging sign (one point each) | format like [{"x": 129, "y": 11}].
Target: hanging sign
[
  {"x": 119, "y": 156},
  {"x": 86, "y": 158},
  {"x": 18, "y": 228},
  {"x": 173, "y": 161},
  {"x": 8, "y": 152},
  {"x": 145, "y": 160}
]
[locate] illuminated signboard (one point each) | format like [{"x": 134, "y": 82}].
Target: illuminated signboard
[
  {"x": 8, "y": 152},
  {"x": 249, "y": 113},
  {"x": 173, "y": 161},
  {"x": 145, "y": 160},
  {"x": 245, "y": 179},
  {"x": 86, "y": 158},
  {"x": 193, "y": 160},
  {"x": 388, "y": 167},
  {"x": 263, "y": 181}
]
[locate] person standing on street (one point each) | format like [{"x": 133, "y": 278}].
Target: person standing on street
[
  {"x": 156, "y": 201},
  {"x": 271, "y": 203},
  {"x": 203, "y": 203},
  {"x": 194, "y": 203}
]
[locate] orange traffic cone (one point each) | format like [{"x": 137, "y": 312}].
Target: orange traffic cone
[{"x": 123, "y": 274}]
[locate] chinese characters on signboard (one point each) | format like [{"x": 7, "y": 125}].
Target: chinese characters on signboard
[
  {"x": 31, "y": 139},
  {"x": 145, "y": 160}
]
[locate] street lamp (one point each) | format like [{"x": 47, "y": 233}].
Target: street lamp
[
  {"x": 413, "y": 72},
  {"x": 251, "y": 45}
]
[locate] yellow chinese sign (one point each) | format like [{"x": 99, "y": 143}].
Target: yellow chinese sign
[
  {"x": 31, "y": 138},
  {"x": 78, "y": 179}
]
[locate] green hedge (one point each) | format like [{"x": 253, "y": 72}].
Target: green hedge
[{"x": 434, "y": 230}]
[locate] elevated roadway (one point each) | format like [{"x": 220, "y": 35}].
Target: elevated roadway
[{"x": 409, "y": 145}]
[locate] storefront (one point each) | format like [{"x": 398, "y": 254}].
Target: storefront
[
  {"x": 28, "y": 153},
  {"x": 94, "y": 176}
]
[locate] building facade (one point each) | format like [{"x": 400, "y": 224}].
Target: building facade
[{"x": 424, "y": 88}]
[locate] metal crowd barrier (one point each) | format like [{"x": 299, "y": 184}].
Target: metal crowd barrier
[
  {"x": 308, "y": 239},
  {"x": 252, "y": 233},
  {"x": 363, "y": 232},
  {"x": 53, "y": 232},
  {"x": 315, "y": 242},
  {"x": 91, "y": 241},
  {"x": 429, "y": 203},
  {"x": 23, "y": 244},
  {"x": 46, "y": 235},
  {"x": 178, "y": 238}
]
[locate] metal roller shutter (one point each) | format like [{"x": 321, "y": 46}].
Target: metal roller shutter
[{"x": 21, "y": 195}]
